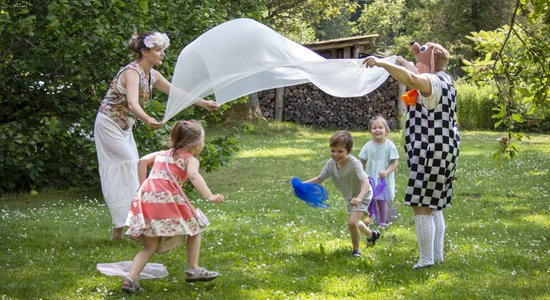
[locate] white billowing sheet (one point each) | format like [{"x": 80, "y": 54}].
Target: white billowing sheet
[
  {"x": 242, "y": 56},
  {"x": 122, "y": 268}
]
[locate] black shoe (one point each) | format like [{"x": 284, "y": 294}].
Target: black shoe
[
  {"x": 356, "y": 253},
  {"x": 373, "y": 238}
]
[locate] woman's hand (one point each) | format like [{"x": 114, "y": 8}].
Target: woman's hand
[
  {"x": 217, "y": 198},
  {"x": 154, "y": 124},
  {"x": 209, "y": 105}
]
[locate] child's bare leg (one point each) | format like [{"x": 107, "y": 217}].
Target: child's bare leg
[
  {"x": 143, "y": 256},
  {"x": 117, "y": 233},
  {"x": 355, "y": 227},
  {"x": 194, "y": 273},
  {"x": 382, "y": 211},
  {"x": 364, "y": 228},
  {"x": 193, "y": 249}
]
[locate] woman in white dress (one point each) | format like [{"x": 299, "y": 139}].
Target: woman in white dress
[{"x": 116, "y": 148}]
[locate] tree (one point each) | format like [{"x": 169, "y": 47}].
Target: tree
[
  {"x": 447, "y": 22},
  {"x": 385, "y": 18},
  {"x": 464, "y": 17},
  {"x": 334, "y": 27},
  {"x": 516, "y": 58},
  {"x": 296, "y": 19}
]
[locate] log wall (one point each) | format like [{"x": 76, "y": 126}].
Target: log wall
[{"x": 307, "y": 105}]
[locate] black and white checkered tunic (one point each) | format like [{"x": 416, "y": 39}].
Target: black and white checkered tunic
[{"x": 432, "y": 145}]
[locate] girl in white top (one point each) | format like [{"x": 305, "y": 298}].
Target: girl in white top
[{"x": 379, "y": 158}]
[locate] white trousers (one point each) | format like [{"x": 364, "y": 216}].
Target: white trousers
[{"x": 117, "y": 156}]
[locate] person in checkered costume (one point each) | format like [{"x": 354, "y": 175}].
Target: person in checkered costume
[{"x": 432, "y": 142}]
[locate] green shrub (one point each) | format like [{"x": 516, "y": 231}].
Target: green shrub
[
  {"x": 474, "y": 106},
  {"x": 58, "y": 153}
]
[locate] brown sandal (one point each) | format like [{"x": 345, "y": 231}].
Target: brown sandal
[
  {"x": 200, "y": 274},
  {"x": 130, "y": 286}
]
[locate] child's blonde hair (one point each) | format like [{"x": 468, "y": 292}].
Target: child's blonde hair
[
  {"x": 185, "y": 134},
  {"x": 342, "y": 139},
  {"x": 384, "y": 123}
]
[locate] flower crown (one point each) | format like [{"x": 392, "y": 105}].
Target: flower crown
[{"x": 157, "y": 39}]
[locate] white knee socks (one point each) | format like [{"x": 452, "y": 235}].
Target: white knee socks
[
  {"x": 425, "y": 234},
  {"x": 439, "y": 236}
]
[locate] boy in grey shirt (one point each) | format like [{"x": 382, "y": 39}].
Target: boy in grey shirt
[{"x": 350, "y": 179}]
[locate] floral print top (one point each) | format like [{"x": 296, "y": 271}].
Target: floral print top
[{"x": 115, "y": 104}]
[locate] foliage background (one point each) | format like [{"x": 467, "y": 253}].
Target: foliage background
[{"x": 474, "y": 106}]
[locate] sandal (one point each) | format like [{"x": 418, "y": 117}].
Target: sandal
[
  {"x": 200, "y": 274},
  {"x": 130, "y": 286},
  {"x": 373, "y": 238}
]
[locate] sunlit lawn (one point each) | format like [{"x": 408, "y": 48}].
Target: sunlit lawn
[{"x": 269, "y": 245}]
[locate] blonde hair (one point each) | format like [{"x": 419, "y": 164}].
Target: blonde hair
[
  {"x": 342, "y": 139},
  {"x": 384, "y": 123},
  {"x": 185, "y": 134}
]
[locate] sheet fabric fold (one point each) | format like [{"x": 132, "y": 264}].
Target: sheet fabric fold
[
  {"x": 242, "y": 56},
  {"x": 122, "y": 268}
]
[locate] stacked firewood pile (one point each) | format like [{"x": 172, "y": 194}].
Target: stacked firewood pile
[{"x": 307, "y": 105}]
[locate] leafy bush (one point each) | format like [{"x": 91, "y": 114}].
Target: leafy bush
[
  {"x": 48, "y": 151},
  {"x": 62, "y": 154},
  {"x": 477, "y": 107},
  {"x": 474, "y": 106},
  {"x": 514, "y": 58}
]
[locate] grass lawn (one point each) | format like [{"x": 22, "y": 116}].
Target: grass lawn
[{"x": 269, "y": 245}]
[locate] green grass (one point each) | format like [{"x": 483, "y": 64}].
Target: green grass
[{"x": 269, "y": 245}]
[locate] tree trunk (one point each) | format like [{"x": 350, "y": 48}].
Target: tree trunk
[
  {"x": 254, "y": 110},
  {"x": 279, "y": 104}
]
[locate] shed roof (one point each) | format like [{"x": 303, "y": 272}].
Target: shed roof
[{"x": 365, "y": 40}]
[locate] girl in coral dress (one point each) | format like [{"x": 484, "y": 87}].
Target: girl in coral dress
[{"x": 161, "y": 216}]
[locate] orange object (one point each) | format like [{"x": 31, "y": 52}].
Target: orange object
[{"x": 409, "y": 98}]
